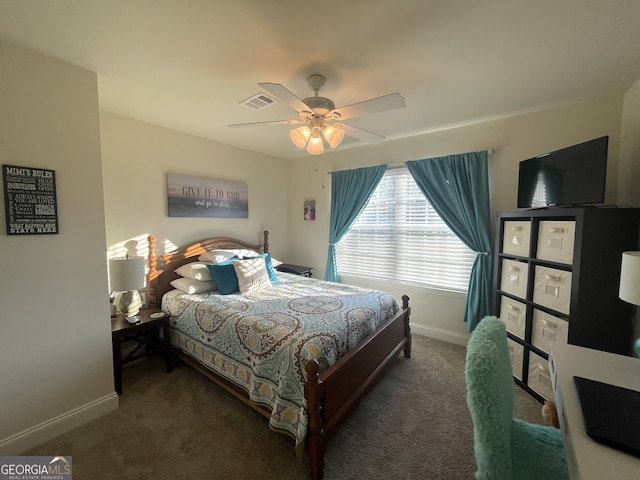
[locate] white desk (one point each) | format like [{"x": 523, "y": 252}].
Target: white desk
[{"x": 586, "y": 458}]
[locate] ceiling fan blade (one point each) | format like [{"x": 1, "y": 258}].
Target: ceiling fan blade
[
  {"x": 361, "y": 134},
  {"x": 273, "y": 122},
  {"x": 374, "y": 105},
  {"x": 286, "y": 96}
]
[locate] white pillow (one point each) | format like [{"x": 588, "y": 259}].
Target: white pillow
[
  {"x": 252, "y": 274},
  {"x": 193, "y": 286},
  {"x": 194, "y": 271},
  {"x": 217, "y": 256},
  {"x": 245, "y": 253}
]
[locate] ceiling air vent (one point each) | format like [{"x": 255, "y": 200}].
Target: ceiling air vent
[{"x": 258, "y": 101}]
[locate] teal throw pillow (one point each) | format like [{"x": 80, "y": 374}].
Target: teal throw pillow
[
  {"x": 270, "y": 270},
  {"x": 225, "y": 276}
]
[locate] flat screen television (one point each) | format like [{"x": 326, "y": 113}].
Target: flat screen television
[{"x": 571, "y": 176}]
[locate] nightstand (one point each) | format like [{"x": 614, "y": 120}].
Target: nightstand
[
  {"x": 295, "y": 269},
  {"x": 145, "y": 336}
]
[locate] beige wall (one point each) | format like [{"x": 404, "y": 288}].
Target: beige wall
[
  {"x": 138, "y": 156},
  {"x": 55, "y": 347},
  {"x": 629, "y": 174},
  {"x": 440, "y": 314}
]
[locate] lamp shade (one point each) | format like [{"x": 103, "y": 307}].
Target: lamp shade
[
  {"x": 299, "y": 136},
  {"x": 315, "y": 145},
  {"x": 630, "y": 278},
  {"x": 126, "y": 273},
  {"x": 333, "y": 134}
]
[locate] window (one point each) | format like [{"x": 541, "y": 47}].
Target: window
[
  {"x": 399, "y": 236},
  {"x": 540, "y": 194}
]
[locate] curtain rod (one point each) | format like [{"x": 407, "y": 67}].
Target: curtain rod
[{"x": 402, "y": 164}]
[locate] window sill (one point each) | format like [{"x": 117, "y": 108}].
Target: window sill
[{"x": 377, "y": 283}]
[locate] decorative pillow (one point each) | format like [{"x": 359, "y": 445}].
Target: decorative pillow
[
  {"x": 188, "y": 285},
  {"x": 269, "y": 263},
  {"x": 252, "y": 274},
  {"x": 275, "y": 262},
  {"x": 246, "y": 253},
  {"x": 224, "y": 275},
  {"x": 194, "y": 271},
  {"x": 217, "y": 256}
]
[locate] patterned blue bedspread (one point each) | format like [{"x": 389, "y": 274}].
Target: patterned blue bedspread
[{"x": 263, "y": 339}]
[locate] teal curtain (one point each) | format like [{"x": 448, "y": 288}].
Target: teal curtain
[
  {"x": 350, "y": 192},
  {"x": 457, "y": 186}
]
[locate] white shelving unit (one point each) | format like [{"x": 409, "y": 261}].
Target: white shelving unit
[{"x": 556, "y": 280}]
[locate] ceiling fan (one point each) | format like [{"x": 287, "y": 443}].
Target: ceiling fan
[{"x": 320, "y": 118}]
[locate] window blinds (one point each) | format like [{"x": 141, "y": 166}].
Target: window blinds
[{"x": 399, "y": 236}]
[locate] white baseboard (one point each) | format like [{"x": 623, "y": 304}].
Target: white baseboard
[
  {"x": 439, "y": 334},
  {"x": 34, "y": 436}
]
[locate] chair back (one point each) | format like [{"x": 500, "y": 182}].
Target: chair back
[{"x": 490, "y": 398}]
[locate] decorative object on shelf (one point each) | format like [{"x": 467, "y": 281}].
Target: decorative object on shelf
[
  {"x": 630, "y": 284},
  {"x": 127, "y": 275}
]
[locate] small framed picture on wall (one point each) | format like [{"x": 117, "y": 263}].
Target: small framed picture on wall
[{"x": 310, "y": 210}]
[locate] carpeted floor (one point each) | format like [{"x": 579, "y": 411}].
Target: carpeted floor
[{"x": 414, "y": 425}]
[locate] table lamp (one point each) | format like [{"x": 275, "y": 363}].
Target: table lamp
[
  {"x": 630, "y": 284},
  {"x": 127, "y": 275}
]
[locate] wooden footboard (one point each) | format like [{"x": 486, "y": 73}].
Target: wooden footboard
[{"x": 334, "y": 395}]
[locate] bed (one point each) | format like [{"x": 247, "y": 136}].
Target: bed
[{"x": 323, "y": 348}]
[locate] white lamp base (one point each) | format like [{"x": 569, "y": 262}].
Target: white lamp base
[{"x": 130, "y": 303}]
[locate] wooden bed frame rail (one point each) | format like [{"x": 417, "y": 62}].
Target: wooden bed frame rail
[
  {"x": 334, "y": 395},
  {"x": 331, "y": 396}
]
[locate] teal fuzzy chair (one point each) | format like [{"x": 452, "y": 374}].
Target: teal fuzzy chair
[{"x": 505, "y": 448}]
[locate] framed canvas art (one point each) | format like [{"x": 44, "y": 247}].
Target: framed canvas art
[{"x": 206, "y": 197}]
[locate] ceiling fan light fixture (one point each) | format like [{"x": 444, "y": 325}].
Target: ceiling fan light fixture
[
  {"x": 316, "y": 113},
  {"x": 333, "y": 134},
  {"x": 315, "y": 145},
  {"x": 299, "y": 136}
]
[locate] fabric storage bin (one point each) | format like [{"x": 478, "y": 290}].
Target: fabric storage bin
[
  {"x": 516, "y": 238},
  {"x": 556, "y": 240},
  {"x": 552, "y": 288},
  {"x": 548, "y": 329},
  {"x": 539, "y": 378},
  {"x": 513, "y": 279},
  {"x": 514, "y": 315},
  {"x": 516, "y": 353}
]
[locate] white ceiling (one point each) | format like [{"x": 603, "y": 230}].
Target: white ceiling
[{"x": 187, "y": 64}]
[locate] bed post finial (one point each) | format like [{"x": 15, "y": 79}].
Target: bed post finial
[
  {"x": 265, "y": 243},
  {"x": 405, "y": 302}
]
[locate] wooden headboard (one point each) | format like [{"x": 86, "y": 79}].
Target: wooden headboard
[{"x": 161, "y": 269}]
